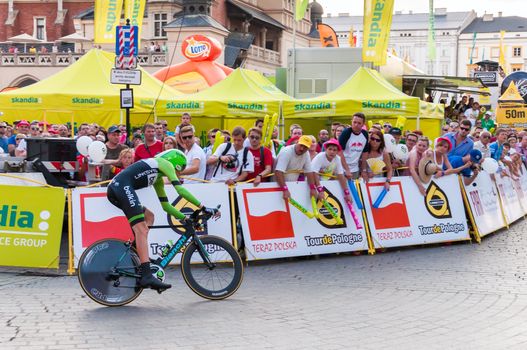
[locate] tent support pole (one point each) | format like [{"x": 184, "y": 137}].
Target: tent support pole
[{"x": 128, "y": 127}]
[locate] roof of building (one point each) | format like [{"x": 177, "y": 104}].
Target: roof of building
[
  {"x": 451, "y": 20},
  {"x": 257, "y": 14},
  {"x": 199, "y": 20},
  {"x": 509, "y": 24}
]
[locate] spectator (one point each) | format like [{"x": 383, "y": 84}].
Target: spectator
[
  {"x": 469, "y": 173},
  {"x": 263, "y": 158},
  {"x": 496, "y": 148},
  {"x": 196, "y": 159},
  {"x": 513, "y": 141},
  {"x": 63, "y": 131},
  {"x": 444, "y": 129},
  {"x": 169, "y": 143},
  {"x": 233, "y": 161},
  {"x": 159, "y": 131},
  {"x": 441, "y": 155},
  {"x": 472, "y": 113},
  {"x": 339, "y": 130},
  {"x": 22, "y": 127},
  {"x": 521, "y": 147},
  {"x": 126, "y": 158},
  {"x": 3, "y": 137},
  {"x": 353, "y": 141},
  {"x": 411, "y": 141},
  {"x": 257, "y": 124},
  {"x": 386, "y": 127},
  {"x": 487, "y": 123},
  {"x": 34, "y": 130},
  {"x": 83, "y": 130},
  {"x": 483, "y": 144},
  {"x": 211, "y": 137},
  {"x": 151, "y": 146},
  {"x": 323, "y": 137},
  {"x": 327, "y": 165},
  {"x": 32, "y": 50},
  {"x": 376, "y": 149},
  {"x": 114, "y": 149},
  {"x": 474, "y": 135},
  {"x": 397, "y": 134},
  {"x": 186, "y": 119},
  {"x": 460, "y": 142},
  {"x": 137, "y": 140},
  {"x": 291, "y": 160},
  {"x": 21, "y": 146},
  {"x": 296, "y": 131},
  {"x": 313, "y": 149},
  {"x": 414, "y": 158},
  {"x": 334, "y": 128}
]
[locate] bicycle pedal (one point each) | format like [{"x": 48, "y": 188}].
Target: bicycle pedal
[{"x": 159, "y": 291}]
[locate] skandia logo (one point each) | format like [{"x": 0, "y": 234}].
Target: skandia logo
[
  {"x": 384, "y": 105},
  {"x": 184, "y": 105},
  {"x": 11, "y": 217},
  {"x": 146, "y": 102},
  {"x": 26, "y": 100},
  {"x": 314, "y": 106},
  {"x": 247, "y": 106},
  {"x": 85, "y": 101}
]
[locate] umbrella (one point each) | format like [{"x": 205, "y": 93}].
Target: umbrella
[
  {"x": 75, "y": 38},
  {"x": 24, "y": 39}
]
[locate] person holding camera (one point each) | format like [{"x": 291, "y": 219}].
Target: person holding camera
[{"x": 233, "y": 161}]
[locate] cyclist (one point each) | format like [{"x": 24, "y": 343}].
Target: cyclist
[{"x": 145, "y": 173}]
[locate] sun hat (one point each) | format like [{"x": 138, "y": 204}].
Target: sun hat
[
  {"x": 427, "y": 168},
  {"x": 305, "y": 141},
  {"x": 22, "y": 123},
  {"x": 332, "y": 142}
]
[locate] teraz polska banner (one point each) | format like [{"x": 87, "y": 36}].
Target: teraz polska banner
[
  {"x": 31, "y": 226},
  {"x": 273, "y": 228},
  {"x": 95, "y": 218},
  {"x": 405, "y": 217},
  {"x": 106, "y": 17},
  {"x": 377, "y": 24}
]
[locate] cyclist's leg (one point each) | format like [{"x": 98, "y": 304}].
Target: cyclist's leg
[{"x": 141, "y": 229}]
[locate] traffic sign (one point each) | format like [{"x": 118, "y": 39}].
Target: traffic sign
[
  {"x": 125, "y": 76},
  {"x": 126, "y": 45}
]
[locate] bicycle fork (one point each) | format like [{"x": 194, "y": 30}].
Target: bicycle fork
[{"x": 203, "y": 252}]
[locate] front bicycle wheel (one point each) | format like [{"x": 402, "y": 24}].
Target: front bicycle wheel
[
  {"x": 218, "y": 280},
  {"x": 108, "y": 272}
]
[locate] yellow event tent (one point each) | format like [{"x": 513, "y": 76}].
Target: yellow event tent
[
  {"x": 365, "y": 91},
  {"x": 239, "y": 99},
  {"x": 82, "y": 92}
]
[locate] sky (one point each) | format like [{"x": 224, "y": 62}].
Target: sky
[{"x": 508, "y": 7}]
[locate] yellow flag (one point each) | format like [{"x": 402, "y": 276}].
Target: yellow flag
[
  {"x": 134, "y": 10},
  {"x": 377, "y": 25},
  {"x": 301, "y": 7},
  {"x": 107, "y": 17},
  {"x": 502, "y": 52}
]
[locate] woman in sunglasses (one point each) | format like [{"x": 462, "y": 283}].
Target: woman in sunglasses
[{"x": 375, "y": 149}]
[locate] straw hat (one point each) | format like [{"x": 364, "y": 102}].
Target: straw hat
[{"x": 427, "y": 168}]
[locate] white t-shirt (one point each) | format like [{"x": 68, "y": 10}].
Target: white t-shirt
[
  {"x": 353, "y": 146},
  {"x": 196, "y": 153},
  {"x": 288, "y": 160},
  {"x": 225, "y": 171},
  {"x": 472, "y": 115},
  {"x": 321, "y": 164}
]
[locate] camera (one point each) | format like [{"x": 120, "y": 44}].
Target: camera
[{"x": 231, "y": 164}]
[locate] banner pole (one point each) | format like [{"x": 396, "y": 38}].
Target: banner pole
[
  {"x": 71, "y": 269},
  {"x": 233, "y": 218},
  {"x": 477, "y": 236}
]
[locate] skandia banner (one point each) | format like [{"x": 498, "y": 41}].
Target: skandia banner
[
  {"x": 377, "y": 25},
  {"x": 484, "y": 202},
  {"x": 95, "y": 218},
  {"x": 405, "y": 217},
  {"x": 178, "y": 107},
  {"x": 510, "y": 201},
  {"x": 135, "y": 10},
  {"x": 26, "y": 100},
  {"x": 241, "y": 108},
  {"x": 380, "y": 108},
  {"x": 106, "y": 18},
  {"x": 30, "y": 229},
  {"x": 273, "y": 228}
]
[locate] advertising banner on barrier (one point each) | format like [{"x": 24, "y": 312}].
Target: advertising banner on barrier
[
  {"x": 509, "y": 198},
  {"x": 482, "y": 196},
  {"x": 95, "y": 218},
  {"x": 274, "y": 228},
  {"x": 31, "y": 226},
  {"x": 404, "y": 217},
  {"x": 523, "y": 186}
]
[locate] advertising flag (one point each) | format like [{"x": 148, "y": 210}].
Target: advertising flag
[
  {"x": 431, "y": 32},
  {"x": 328, "y": 37},
  {"x": 502, "y": 52},
  {"x": 301, "y": 7},
  {"x": 135, "y": 10},
  {"x": 473, "y": 47},
  {"x": 107, "y": 17},
  {"x": 377, "y": 24},
  {"x": 352, "y": 39}
]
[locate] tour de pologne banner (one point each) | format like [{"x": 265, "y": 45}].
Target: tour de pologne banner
[
  {"x": 405, "y": 217},
  {"x": 273, "y": 228},
  {"x": 106, "y": 17},
  {"x": 31, "y": 226},
  {"x": 482, "y": 196},
  {"x": 377, "y": 24},
  {"x": 95, "y": 218}
]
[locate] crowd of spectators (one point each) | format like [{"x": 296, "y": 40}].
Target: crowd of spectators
[{"x": 344, "y": 152}]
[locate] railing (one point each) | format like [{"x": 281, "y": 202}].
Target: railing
[
  {"x": 259, "y": 53},
  {"x": 66, "y": 59}
]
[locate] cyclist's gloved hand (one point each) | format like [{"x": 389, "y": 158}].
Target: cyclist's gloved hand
[{"x": 210, "y": 212}]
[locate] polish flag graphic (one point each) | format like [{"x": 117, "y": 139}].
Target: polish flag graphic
[
  {"x": 267, "y": 214},
  {"x": 101, "y": 220},
  {"x": 392, "y": 211}
]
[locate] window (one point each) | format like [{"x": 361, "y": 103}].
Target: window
[
  {"x": 516, "y": 67},
  {"x": 494, "y": 52},
  {"x": 160, "y": 20},
  {"x": 517, "y": 51},
  {"x": 40, "y": 28},
  {"x": 321, "y": 86},
  {"x": 305, "y": 86},
  {"x": 444, "y": 68}
]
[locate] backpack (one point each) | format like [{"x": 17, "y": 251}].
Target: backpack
[{"x": 244, "y": 158}]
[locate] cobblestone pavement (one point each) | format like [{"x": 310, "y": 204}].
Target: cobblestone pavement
[{"x": 462, "y": 296}]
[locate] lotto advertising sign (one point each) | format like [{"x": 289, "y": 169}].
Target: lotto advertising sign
[
  {"x": 31, "y": 226},
  {"x": 482, "y": 196},
  {"x": 404, "y": 217},
  {"x": 95, "y": 218},
  {"x": 274, "y": 228},
  {"x": 512, "y": 206}
]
